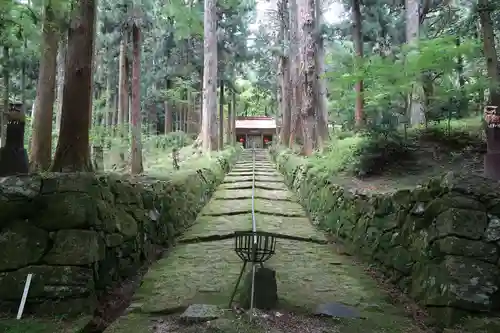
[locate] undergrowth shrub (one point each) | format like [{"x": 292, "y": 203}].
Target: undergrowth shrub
[
  {"x": 365, "y": 154},
  {"x": 171, "y": 140},
  {"x": 374, "y": 153},
  {"x": 457, "y": 136}
]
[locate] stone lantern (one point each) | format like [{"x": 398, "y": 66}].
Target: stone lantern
[
  {"x": 13, "y": 156},
  {"x": 492, "y": 130}
]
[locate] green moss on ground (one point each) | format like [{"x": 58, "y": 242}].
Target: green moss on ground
[
  {"x": 197, "y": 273},
  {"x": 227, "y": 207},
  {"x": 308, "y": 275},
  {"x": 188, "y": 190},
  {"x": 258, "y": 178},
  {"x": 228, "y": 324},
  {"x": 284, "y": 208},
  {"x": 259, "y": 193},
  {"x": 32, "y": 325},
  {"x": 248, "y": 184}
]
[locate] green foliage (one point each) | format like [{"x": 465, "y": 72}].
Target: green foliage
[
  {"x": 389, "y": 79},
  {"x": 171, "y": 140},
  {"x": 458, "y": 135},
  {"x": 371, "y": 153},
  {"x": 364, "y": 155}
]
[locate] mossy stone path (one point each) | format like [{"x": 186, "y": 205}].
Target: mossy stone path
[{"x": 308, "y": 274}]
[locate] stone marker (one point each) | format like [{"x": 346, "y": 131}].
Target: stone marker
[
  {"x": 336, "y": 310},
  {"x": 266, "y": 290},
  {"x": 197, "y": 313}
]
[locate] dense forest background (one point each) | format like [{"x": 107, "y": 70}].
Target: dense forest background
[{"x": 379, "y": 67}]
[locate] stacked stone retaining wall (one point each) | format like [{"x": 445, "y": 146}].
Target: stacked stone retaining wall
[
  {"x": 439, "y": 242},
  {"x": 78, "y": 234}
]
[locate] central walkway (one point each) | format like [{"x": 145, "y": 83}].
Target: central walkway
[{"x": 308, "y": 274}]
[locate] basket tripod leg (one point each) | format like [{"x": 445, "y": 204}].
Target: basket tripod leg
[{"x": 237, "y": 284}]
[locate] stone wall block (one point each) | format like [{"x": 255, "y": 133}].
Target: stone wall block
[
  {"x": 68, "y": 182},
  {"x": 76, "y": 247},
  {"x": 47, "y": 282},
  {"x": 126, "y": 224},
  {"x": 81, "y": 233},
  {"x": 439, "y": 242},
  {"x": 20, "y": 187},
  {"x": 492, "y": 232},
  {"x": 21, "y": 244},
  {"x": 67, "y": 211},
  {"x": 17, "y": 209},
  {"x": 465, "y": 223},
  {"x": 452, "y": 245}
]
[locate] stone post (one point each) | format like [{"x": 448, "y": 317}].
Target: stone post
[
  {"x": 492, "y": 130},
  {"x": 13, "y": 156}
]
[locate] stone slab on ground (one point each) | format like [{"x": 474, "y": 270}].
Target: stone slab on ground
[
  {"x": 283, "y": 208},
  {"x": 227, "y": 207},
  {"x": 297, "y": 226},
  {"x": 259, "y": 178},
  {"x": 219, "y": 225},
  {"x": 307, "y": 275},
  {"x": 259, "y": 193},
  {"x": 242, "y": 185},
  {"x": 336, "y": 310},
  {"x": 257, "y": 173},
  {"x": 196, "y": 313}
]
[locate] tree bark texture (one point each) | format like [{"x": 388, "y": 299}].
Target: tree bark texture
[
  {"x": 294, "y": 60},
  {"x": 357, "y": 32},
  {"x": 221, "y": 115},
  {"x": 229, "y": 132},
  {"x": 233, "y": 118},
  {"x": 61, "y": 64},
  {"x": 122, "y": 85},
  {"x": 285, "y": 92},
  {"x": 412, "y": 8},
  {"x": 72, "y": 152},
  {"x": 6, "y": 87},
  {"x": 136, "y": 148},
  {"x": 209, "y": 109},
  {"x": 41, "y": 142},
  {"x": 321, "y": 92},
  {"x": 308, "y": 75}
]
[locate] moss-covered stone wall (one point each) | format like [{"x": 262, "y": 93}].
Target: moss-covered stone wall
[
  {"x": 80, "y": 233},
  {"x": 439, "y": 243}
]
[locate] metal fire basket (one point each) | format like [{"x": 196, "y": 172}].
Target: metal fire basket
[{"x": 252, "y": 247}]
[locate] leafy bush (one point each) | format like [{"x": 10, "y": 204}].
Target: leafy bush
[
  {"x": 375, "y": 152},
  {"x": 456, "y": 135},
  {"x": 343, "y": 134},
  {"x": 171, "y": 140},
  {"x": 365, "y": 155}
]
